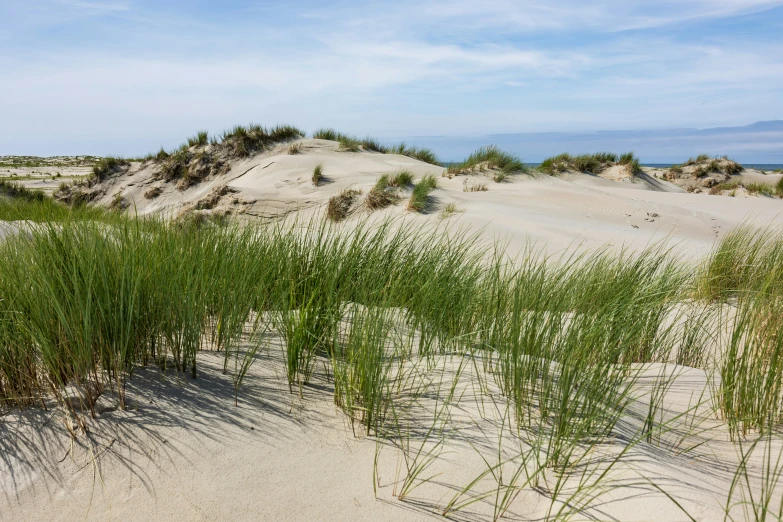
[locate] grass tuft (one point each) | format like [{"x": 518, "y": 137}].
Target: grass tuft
[
  {"x": 589, "y": 163},
  {"x": 489, "y": 158},
  {"x": 106, "y": 167},
  {"x": 201, "y": 139},
  {"x": 20, "y": 192},
  {"x": 353, "y": 144},
  {"x": 318, "y": 174},
  {"x": 339, "y": 206},
  {"x": 420, "y": 197}
]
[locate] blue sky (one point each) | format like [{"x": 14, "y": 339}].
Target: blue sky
[{"x": 127, "y": 76}]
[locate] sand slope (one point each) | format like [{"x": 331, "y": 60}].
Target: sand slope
[
  {"x": 183, "y": 451},
  {"x": 558, "y": 212}
]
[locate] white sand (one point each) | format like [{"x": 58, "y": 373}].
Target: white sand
[
  {"x": 183, "y": 451},
  {"x": 555, "y": 212}
]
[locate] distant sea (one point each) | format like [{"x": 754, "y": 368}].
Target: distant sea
[{"x": 757, "y": 166}]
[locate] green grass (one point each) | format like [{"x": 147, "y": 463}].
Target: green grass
[
  {"x": 107, "y": 166},
  {"x": 419, "y": 200},
  {"x": 244, "y": 141},
  {"x": 449, "y": 210},
  {"x": 382, "y": 194},
  {"x": 559, "y": 344},
  {"x": 491, "y": 158},
  {"x": 318, "y": 174},
  {"x": 20, "y": 192},
  {"x": 353, "y": 144},
  {"x": 705, "y": 165},
  {"x": 201, "y": 139},
  {"x": 779, "y": 188},
  {"x": 18, "y": 203},
  {"x": 419, "y": 153},
  {"x": 385, "y": 192},
  {"x": 589, "y": 163},
  {"x": 751, "y": 187}
]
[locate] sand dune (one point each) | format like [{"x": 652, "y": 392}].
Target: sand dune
[{"x": 556, "y": 212}]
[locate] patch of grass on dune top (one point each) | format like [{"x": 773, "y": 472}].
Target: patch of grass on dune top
[
  {"x": 489, "y": 158},
  {"x": 703, "y": 164},
  {"x": 353, "y": 144},
  {"x": 589, "y": 163},
  {"x": 245, "y": 140}
]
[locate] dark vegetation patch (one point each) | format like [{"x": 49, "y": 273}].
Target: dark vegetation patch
[{"x": 17, "y": 191}]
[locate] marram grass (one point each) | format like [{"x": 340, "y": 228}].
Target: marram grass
[{"x": 563, "y": 339}]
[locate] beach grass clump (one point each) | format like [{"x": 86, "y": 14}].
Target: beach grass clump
[
  {"x": 339, "y": 206},
  {"x": 106, "y": 167},
  {"x": 556, "y": 164},
  {"x": 201, "y": 139},
  {"x": 318, "y": 174},
  {"x": 449, "y": 210},
  {"x": 703, "y": 165},
  {"x": 589, "y": 163},
  {"x": 353, "y": 144},
  {"x": 752, "y": 188},
  {"x": 750, "y": 393},
  {"x": 385, "y": 192},
  {"x": 243, "y": 141},
  {"x": 745, "y": 261},
  {"x": 16, "y": 191},
  {"x": 474, "y": 187},
  {"x": 419, "y": 153},
  {"x": 419, "y": 200},
  {"x": 401, "y": 179},
  {"x": 701, "y": 158},
  {"x": 347, "y": 143},
  {"x": 779, "y": 188},
  {"x": 382, "y": 194},
  {"x": 363, "y": 368},
  {"x": 630, "y": 159},
  {"x": 489, "y": 158}
]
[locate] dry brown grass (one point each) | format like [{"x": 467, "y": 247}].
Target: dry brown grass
[
  {"x": 152, "y": 192},
  {"x": 340, "y": 206}
]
